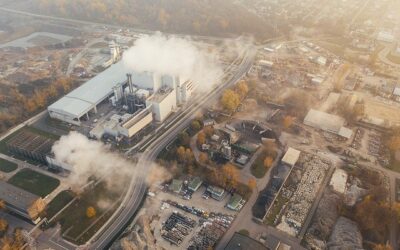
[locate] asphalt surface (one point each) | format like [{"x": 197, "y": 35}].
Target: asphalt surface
[{"x": 156, "y": 143}]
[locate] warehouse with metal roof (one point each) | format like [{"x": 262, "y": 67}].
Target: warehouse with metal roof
[
  {"x": 327, "y": 122},
  {"x": 85, "y": 98},
  {"x": 20, "y": 201}
]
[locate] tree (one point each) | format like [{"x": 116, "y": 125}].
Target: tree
[
  {"x": 231, "y": 175},
  {"x": 394, "y": 143},
  {"x": 209, "y": 131},
  {"x": 287, "y": 121},
  {"x": 382, "y": 247},
  {"x": 230, "y": 100},
  {"x": 203, "y": 158},
  {"x": 242, "y": 89},
  {"x": 195, "y": 125},
  {"x": 201, "y": 138},
  {"x": 90, "y": 212},
  {"x": 184, "y": 139},
  {"x": 3, "y": 226},
  {"x": 252, "y": 183},
  {"x": 2, "y": 204},
  {"x": 373, "y": 216},
  {"x": 189, "y": 157},
  {"x": 268, "y": 161},
  {"x": 181, "y": 153}
]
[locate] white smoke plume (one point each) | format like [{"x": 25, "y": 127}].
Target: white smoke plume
[
  {"x": 174, "y": 56},
  {"x": 90, "y": 158}
]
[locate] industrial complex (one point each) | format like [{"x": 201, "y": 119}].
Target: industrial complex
[{"x": 134, "y": 94}]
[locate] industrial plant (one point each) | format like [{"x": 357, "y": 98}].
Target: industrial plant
[{"x": 134, "y": 100}]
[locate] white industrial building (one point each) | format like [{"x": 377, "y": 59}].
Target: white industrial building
[
  {"x": 328, "y": 122},
  {"x": 131, "y": 90},
  {"x": 162, "y": 103}
]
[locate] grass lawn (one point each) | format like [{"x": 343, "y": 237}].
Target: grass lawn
[
  {"x": 244, "y": 232},
  {"x": 280, "y": 201},
  {"x": 74, "y": 221},
  {"x": 58, "y": 203},
  {"x": 258, "y": 169},
  {"x": 34, "y": 182},
  {"x": 7, "y": 166}
]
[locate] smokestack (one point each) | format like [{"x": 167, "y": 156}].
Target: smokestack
[{"x": 130, "y": 84}]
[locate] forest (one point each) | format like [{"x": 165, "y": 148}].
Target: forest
[{"x": 200, "y": 17}]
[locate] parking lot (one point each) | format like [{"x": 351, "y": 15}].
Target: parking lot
[{"x": 173, "y": 217}]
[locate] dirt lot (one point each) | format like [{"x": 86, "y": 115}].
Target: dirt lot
[{"x": 386, "y": 111}]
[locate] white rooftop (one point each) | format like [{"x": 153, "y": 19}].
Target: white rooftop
[
  {"x": 84, "y": 98},
  {"x": 324, "y": 120},
  {"x": 339, "y": 180},
  {"x": 291, "y": 157},
  {"x": 396, "y": 91}
]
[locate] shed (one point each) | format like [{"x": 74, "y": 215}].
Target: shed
[
  {"x": 235, "y": 202},
  {"x": 176, "y": 186},
  {"x": 291, "y": 157},
  {"x": 195, "y": 183}
]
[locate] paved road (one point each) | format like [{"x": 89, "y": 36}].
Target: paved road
[{"x": 137, "y": 188}]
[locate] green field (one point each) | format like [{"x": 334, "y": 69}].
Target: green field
[
  {"x": 34, "y": 182},
  {"x": 258, "y": 169},
  {"x": 58, "y": 203},
  {"x": 77, "y": 227},
  {"x": 7, "y": 166}
]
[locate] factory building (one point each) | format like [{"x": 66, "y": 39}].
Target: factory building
[
  {"x": 327, "y": 122},
  {"x": 21, "y": 202},
  {"x": 162, "y": 103},
  {"x": 120, "y": 86},
  {"x": 136, "y": 124}
]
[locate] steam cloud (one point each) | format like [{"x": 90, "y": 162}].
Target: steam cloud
[
  {"x": 173, "y": 56},
  {"x": 89, "y": 158}
]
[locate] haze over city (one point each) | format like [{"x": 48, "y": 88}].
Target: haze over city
[{"x": 214, "y": 124}]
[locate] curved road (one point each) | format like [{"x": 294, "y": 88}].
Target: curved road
[{"x": 138, "y": 186}]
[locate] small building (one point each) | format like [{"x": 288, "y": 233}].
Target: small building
[
  {"x": 208, "y": 122},
  {"x": 321, "y": 60},
  {"x": 21, "y": 202},
  {"x": 195, "y": 184},
  {"x": 176, "y": 186},
  {"x": 327, "y": 122},
  {"x": 236, "y": 202},
  {"x": 265, "y": 63},
  {"x": 205, "y": 147},
  {"x": 215, "y": 137},
  {"x": 291, "y": 157},
  {"x": 338, "y": 181},
  {"x": 243, "y": 242},
  {"x": 217, "y": 193},
  {"x": 242, "y": 159}
]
